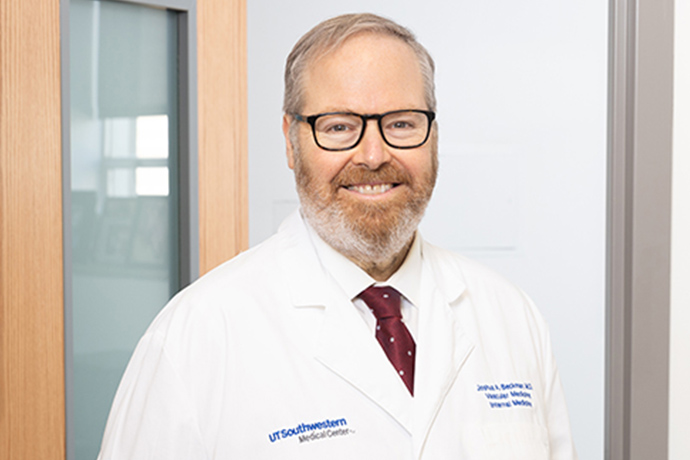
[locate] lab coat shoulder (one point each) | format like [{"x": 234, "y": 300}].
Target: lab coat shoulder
[
  {"x": 199, "y": 314},
  {"x": 179, "y": 360},
  {"x": 236, "y": 288}
]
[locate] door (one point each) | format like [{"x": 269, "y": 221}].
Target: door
[{"x": 32, "y": 306}]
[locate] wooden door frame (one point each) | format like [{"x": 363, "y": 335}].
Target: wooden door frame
[{"x": 31, "y": 288}]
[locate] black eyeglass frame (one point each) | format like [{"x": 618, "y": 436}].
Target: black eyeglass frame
[{"x": 311, "y": 120}]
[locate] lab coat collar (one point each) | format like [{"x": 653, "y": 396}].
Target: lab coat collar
[
  {"x": 346, "y": 346},
  {"x": 353, "y": 280},
  {"x": 301, "y": 267},
  {"x": 343, "y": 343},
  {"x": 407, "y": 278},
  {"x": 304, "y": 265},
  {"x": 349, "y": 276},
  {"x": 447, "y": 275}
]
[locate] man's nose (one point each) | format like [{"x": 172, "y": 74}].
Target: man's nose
[{"x": 372, "y": 150}]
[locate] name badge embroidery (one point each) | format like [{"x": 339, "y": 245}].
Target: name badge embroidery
[
  {"x": 507, "y": 395},
  {"x": 307, "y": 432}
]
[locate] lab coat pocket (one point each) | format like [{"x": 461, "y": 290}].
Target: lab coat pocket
[{"x": 516, "y": 441}]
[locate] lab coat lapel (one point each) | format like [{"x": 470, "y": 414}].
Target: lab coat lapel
[
  {"x": 342, "y": 341},
  {"x": 443, "y": 346},
  {"x": 348, "y": 348}
]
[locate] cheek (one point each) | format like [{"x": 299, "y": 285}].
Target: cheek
[
  {"x": 317, "y": 170},
  {"x": 325, "y": 167},
  {"x": 421, "y": 167}
]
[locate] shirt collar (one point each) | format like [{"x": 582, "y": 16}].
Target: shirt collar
[
  {"x": 407, "y": 279},
  {"x": 353, "y": 280}
]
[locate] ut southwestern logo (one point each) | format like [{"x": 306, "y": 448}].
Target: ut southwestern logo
[{"x": 307, "y": 432}]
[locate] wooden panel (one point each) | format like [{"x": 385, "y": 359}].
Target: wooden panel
[
  {"x": 222, "y": 80},
  {"x": 31, "y": 305}
]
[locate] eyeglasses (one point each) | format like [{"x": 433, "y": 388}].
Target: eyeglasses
[{"x": 400, "y": 129}]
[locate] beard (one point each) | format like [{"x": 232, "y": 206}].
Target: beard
[{"x": 372, "y": 233}]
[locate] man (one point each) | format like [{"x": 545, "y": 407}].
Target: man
[{"x": 345, "y": 335}]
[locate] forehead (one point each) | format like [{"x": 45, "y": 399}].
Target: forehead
[{"x": 367, "y": 73}]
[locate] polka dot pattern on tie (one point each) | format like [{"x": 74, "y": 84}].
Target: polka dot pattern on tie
[{"x": 391, "y": 333}]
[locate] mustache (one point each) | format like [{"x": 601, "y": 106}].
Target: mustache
[{"x": 357, "y": 174}]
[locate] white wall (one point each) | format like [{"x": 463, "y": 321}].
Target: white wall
[
  {"x": 522, "y": 186},
  {"x": 679, "y": 397}
]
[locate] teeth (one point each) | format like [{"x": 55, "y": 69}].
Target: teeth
[{"x": 370, "y": 189}]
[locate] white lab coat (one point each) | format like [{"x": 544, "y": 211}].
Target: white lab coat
[{"x": 265, "y": 358}]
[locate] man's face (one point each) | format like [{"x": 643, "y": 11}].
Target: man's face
[{"x": 370, "y": 198}]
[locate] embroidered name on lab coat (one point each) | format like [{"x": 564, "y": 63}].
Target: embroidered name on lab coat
[{"x": 507, "y": 395}]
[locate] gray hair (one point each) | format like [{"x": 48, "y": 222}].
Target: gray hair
[{"x": 329, "y": 35}]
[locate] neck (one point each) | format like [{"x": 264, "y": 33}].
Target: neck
[{"x": 381, "y": 270}]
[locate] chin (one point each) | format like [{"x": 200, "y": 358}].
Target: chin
[{"x": 366, "y": 232}]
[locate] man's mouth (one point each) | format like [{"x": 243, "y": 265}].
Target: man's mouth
[{"x": 369, "y": 189}]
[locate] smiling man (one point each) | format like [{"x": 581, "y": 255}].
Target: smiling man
[
  {"x": 346, "y": 335},
  {"x": 363, "y": 180}
]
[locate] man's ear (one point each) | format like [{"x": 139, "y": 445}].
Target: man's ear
[{"x": 289, "y": 152}]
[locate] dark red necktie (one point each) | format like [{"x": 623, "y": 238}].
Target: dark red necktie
[{"x": 391, "y": 332}]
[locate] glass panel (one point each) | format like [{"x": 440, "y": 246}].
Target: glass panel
[{"x": 124, "y": 154}]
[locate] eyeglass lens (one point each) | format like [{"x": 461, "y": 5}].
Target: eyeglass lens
[{"x": 342, "y": 131}]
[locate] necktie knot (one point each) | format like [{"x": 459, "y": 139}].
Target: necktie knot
[{"x": 384, "y": 301}]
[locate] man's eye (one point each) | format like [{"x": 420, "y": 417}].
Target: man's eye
[
  {"x": 337, "y": 128},
  {"x": 401, "y": 125}
]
